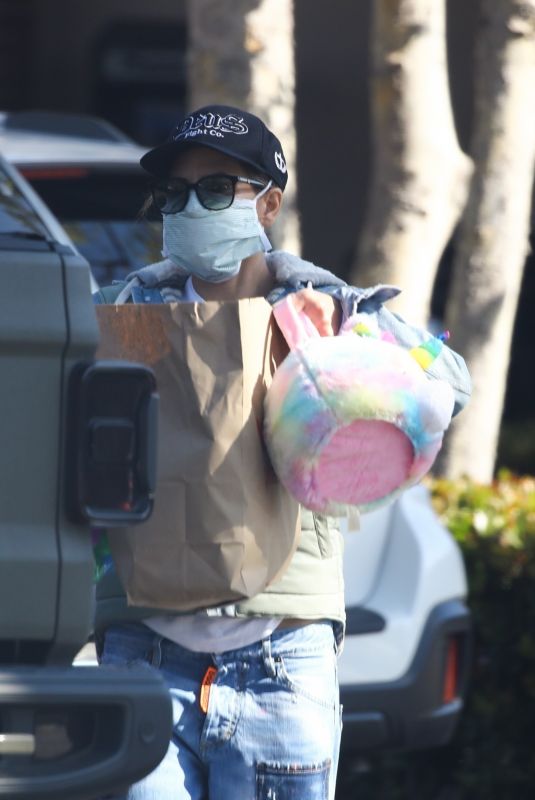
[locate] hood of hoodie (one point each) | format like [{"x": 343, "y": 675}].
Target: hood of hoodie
[{"x": 286, "y": 269}]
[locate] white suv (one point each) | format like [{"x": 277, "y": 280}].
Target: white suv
[{"x": 404, "y": 667}]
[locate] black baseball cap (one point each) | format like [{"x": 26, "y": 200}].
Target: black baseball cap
[{"x": 231, "y": 131}]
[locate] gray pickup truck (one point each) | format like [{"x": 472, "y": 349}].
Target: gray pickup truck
[{"x": 74, "y": 453}]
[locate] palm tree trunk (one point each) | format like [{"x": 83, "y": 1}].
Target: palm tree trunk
[
  {"x": 241, "y": 53},
  {"x": 420, "y": 178},
  {"x": 493, "y": 241}
]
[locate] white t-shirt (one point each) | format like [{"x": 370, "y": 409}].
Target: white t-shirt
[
  {"x": 203, "y": 632},
  {"x": 190, "y": 295}
]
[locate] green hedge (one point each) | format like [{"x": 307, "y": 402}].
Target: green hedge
[{"x": 492, "y": 755}]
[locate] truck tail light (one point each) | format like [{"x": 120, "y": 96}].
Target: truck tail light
[{"x": 111, "y": 462}]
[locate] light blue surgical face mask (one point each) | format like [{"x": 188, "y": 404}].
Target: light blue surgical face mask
[{"x": 212, "y": 244}]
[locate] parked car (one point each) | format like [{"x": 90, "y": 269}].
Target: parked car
[
  {"x": 403, "y": 671},
  {"x": 88, "y": 174},
  {"x": 66, "y": 733},
  {"x": 404, "y": 668}
]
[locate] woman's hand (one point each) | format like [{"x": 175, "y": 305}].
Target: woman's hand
[{"x": 322, "y": 310}]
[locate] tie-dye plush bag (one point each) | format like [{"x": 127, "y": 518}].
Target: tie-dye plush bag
[{"x": 352, "y": 420}]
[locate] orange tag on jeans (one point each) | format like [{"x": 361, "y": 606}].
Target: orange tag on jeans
[{"x": 206, "y": 683}]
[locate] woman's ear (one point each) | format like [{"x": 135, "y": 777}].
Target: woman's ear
[{"x": 268, "y": 206}]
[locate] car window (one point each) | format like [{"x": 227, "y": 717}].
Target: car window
[
  {"x": 100, "y": 211},
  {"x": 17, "y": 218},
  {"x": 115, "y": 249}
]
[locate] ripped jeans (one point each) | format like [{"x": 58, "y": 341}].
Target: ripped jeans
[{"x": 273, "y": 721}]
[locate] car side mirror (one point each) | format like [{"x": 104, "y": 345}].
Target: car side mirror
[{"x": 112, "y": 442}]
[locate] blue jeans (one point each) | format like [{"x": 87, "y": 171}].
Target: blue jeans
[{"x": 273, "y": 723}]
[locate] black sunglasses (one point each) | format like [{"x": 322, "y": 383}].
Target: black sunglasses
[{"x": 215, "y": 192}]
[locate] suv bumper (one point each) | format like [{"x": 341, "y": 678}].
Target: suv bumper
[{"x": 412, "y": 712}]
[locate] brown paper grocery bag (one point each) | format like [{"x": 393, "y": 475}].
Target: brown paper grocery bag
[{"x": 223, "y": 527}]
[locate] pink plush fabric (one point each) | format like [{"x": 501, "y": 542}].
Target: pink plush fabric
[
  {"x": 353, "y": 464},
  {"x": 351, "y": 420}
]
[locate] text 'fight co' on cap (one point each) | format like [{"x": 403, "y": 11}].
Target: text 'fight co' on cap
[{"x": 236, "y": 133}]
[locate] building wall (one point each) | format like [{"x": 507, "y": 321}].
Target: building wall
[
  {"x": 333, "y": 122},
  {"x": 16, "y": 49},
  {"x": 62, "y": 60}
]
